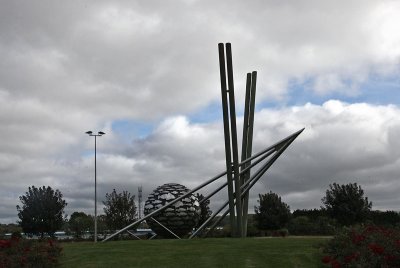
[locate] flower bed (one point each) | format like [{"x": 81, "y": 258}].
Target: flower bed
[
  {"x": 366, "y": 246},
  {"x": 18, "y": 252}
]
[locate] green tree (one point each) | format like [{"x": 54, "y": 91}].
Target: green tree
[
  {"x": 9, "y": 228},
  {"x": 120, "y": 209},
  {"x": 42, "y": 211},
  {"x": 101, "y": 225},
  {"x": 346, "y": 203},
  {"x": 272, "y": 213},
  {"x": 205, "y": 209},
  {"x": 387, "y": 218},
  {"x": 79, "y": 223}
]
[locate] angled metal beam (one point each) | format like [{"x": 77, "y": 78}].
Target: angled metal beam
[
  {"x": 274, "y": 146},
  {"x": 163, "y": 226},
  {"x": 235, "y": 153},
  {"x": 256, "y": 176},
  {"x": 266, "y": 154},
  {"x": 281, "y": 147},
  {"x": 245, "y": 155},
  {"x": 242, "y": 172},
  {"x": 213, "y": 193},
  {"x": 154, "y": 235},
  {"x": 245, "y": 124},
  {"x": 216, "y": 223},
  {"x": 247, "y": 142},
  {"x": 271, "y": 161},
  {"x": 227, "y": 138},
  {"x": 209, "y": 219},
  {"x": 132, "y": 234}
]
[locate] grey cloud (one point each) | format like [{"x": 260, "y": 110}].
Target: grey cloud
[
  {"x": 123, "y": 58},
  {"x": 73, "y": 66},
  {"x": 341, "y": 143}
]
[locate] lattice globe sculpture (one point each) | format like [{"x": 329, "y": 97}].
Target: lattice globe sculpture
[{"x": 180, "y": 218}]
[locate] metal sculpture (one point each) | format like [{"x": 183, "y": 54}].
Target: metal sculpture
[
  {"x": 240, "y": 177},
  {"x": 177, "y": 220}
]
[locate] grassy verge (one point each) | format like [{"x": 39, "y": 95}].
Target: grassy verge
[{"x": 223, "y": 252}]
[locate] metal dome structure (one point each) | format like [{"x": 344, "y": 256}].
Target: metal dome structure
[{"x": 178, "y": 219}]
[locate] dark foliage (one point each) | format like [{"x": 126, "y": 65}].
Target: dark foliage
[
  {"x": 363, "y": 246},
  {"x": 120, "y": 209},
  {"x": 346, "y": 203},
  {"x": 42, "y": 211},
  {"x": 102, "y": 224},
  {"x": 205, "y": 209},
  {"x": 385, "y": 218},
  {"x": 9, "y": 228},
  {"x": 17, "y": 252},
  {"x": 311, "y": 222},
  {"x": 79, "y": 223},
  {"x": 272, "y": 213},
  {"x": 303, "y": 225},
  {"x": 312, "y": 214}
]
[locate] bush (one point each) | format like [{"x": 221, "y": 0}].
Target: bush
[
  {"x": 385, "y": 218},
  {"x": 17, "y": 252},
  {"x": 280, "y": 233},
  {"x": 369, "y": 246},
  {"x": 272, "y": 213},
  {"x": 303, "y": 225}
]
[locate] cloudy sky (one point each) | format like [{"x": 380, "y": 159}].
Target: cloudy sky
[{"x": 146, "y": 73}]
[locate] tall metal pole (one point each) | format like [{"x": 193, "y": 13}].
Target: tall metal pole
[
  {"x": 100, "y": 133},
  {"x": 227, "y": 138},
  {"x": 95, "y": 189},
  {"x": 235, "y": 156},
  {"x": 247, "y": 142}
]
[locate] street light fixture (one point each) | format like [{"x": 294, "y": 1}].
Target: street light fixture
[{"x": 99, "y": 134}]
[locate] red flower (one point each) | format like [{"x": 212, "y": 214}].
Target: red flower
[
  {"x": 357, "y": 239},
  {"x": 327, "y": 259},
  {"x": 335, "y": 264},
  {"x": 370, "y": 229},
  {"x": 23, "y": 260},
  {"x": 375, "y": 248},
  {"x": 390, "y": 258},
  {"x": 5, "y": 243},
  {"x": 15, "y": 239},
  {"x": 351, "y": 257}
]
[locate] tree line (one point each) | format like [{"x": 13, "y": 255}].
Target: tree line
[
  {"x": 342, "y": 205},
  {"x": 42, "y": 213}
]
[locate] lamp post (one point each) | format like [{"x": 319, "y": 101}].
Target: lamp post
[{"x": 99, "y": 134}]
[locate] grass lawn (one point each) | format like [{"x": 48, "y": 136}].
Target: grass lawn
[{"x": 210, "y": 252}]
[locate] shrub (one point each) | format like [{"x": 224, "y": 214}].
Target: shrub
[
  {"x": 303, "y": 225},
  {"x": 17, "y": 252},
  {"x": 272, "y": 213},
  {"x": 280, "y": 233},
  {"x": 385, "y": 218},
  {"x": 368, "y": 246}
]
